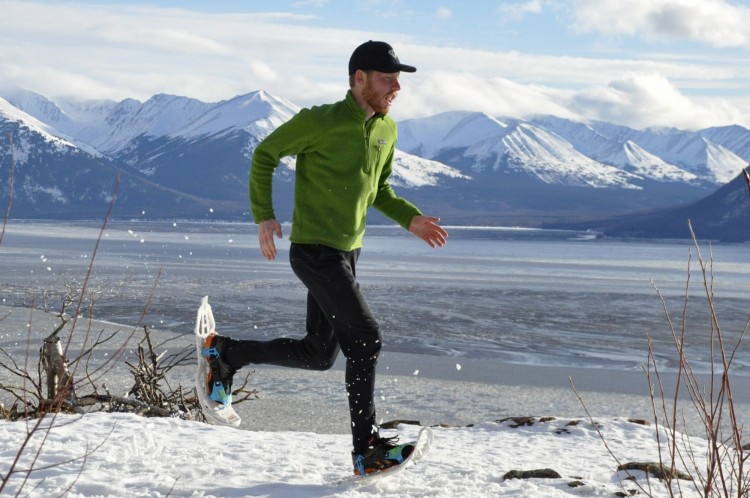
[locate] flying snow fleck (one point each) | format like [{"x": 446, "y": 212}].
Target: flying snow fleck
[
  {"x": 458, "y": 366},
  {"x": 416, "y": 372}
]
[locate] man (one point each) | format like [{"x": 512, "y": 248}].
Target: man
[{"x": 344, "y": 158}]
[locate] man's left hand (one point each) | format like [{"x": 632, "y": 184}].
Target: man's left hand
[{"x": 427, "y": 229}]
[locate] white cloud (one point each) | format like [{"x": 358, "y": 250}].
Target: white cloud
[
  {"x": 443, "y": 13},
  {"x": 635, "y": 99},
  {"x": 161, "y": 38},
  {"x": 517, "y": 11},
  {"x": 310, "y": 3},
  {"x": 133, "y": 51},
  {"x": 717, "y": 23},
  {"x": 441, "y": 91},
  {"x": 563, "y": 71},
  {"x": 640, "y": 100},
  {"x": 120, "y": 51}
]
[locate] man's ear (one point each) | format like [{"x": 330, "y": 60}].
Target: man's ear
[{"x": 360, "y": 77}]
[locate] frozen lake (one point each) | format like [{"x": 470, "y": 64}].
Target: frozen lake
[
  {"x": 508, "y": 307},
  {"x": 520, "y": 296}
]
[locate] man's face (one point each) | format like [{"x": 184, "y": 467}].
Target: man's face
[{"x": 380, "y": 90}]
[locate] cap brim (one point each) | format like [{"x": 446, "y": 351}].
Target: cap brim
[{"x": 396, "y": 68}]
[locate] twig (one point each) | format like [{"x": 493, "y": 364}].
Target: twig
[
  {"x": 603, "y": 439},
  {"x": 10, "y": 187},
  {"x": 91, "y": 263}
]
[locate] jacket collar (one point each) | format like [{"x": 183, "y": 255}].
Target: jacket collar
[{"x": 356, "y": 110}]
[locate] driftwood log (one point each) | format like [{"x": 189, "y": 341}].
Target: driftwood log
[{"x": 59, "y": 380}]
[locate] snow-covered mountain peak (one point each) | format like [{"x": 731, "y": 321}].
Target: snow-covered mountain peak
[
  {"x": 164, "y": 114},
  {"x": 258, "y": 113},
  {"x": 414, "y": 171},
  {"x": 475, "y": 127},
  {"x": 159, "y": 116},
  {"x": 87, "y": 112},
  {"x": 643, "y": 163},
  {"x": 22, "y": 149},
  {"x": 723, "y": 164},
  {"x": 456, "y": 129},
  {"x": 38, "y": 106},
  {"x": 527, "y": 147}
]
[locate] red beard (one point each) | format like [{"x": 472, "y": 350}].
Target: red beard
[{"x": 377, "y": 101}]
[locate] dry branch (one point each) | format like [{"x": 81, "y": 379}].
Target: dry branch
[{"x": 10, "y": 187}]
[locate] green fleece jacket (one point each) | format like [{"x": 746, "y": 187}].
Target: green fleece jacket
[{"x": 343, "y": 165}]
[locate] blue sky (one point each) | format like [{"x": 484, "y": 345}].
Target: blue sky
[{"x": 681, "y": 63}]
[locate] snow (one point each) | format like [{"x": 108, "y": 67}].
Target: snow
[
  {"x": 127, "y": 455},
  {"x": 723, "y": 164},
  {"x": 556, "y": 150},
  {"x": 10, "y": 113},
  {"x": 554, "y": 160},
  {"x": 257, "y": 113},
  {"x": 650, "y": 166},
  {"x": 414, "y": 171},
  {"x": 159, "y": 116}
]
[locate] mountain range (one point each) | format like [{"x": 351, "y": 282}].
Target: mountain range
[{"x": 178, "y": 157}]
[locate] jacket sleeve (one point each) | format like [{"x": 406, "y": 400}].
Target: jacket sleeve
[
  {"x": 288, "y": 139},
  {"x": 387, "y": 202}
]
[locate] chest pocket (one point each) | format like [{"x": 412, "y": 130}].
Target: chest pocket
[{"x": 375, "y": 153}]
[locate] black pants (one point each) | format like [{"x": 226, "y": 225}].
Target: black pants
[{"x": 338, "y": 319}]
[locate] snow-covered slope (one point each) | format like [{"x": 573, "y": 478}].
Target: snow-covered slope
[
  {"x": 494, "y": 144},
  {"x": 11, "y": 114},
  {"x": 565, "y": 152},
  {"x": 123, "y": 455},
  {"x": 722, "y": 163},
  {"x": 413, "y": 171},
  {"x": 556, "y": 161},
  {"x": 714, "y": 155},
  {"x": 643, "y": 163},
  {"x": 159, "y": 116},
  {"x": 257, "y": 113}
]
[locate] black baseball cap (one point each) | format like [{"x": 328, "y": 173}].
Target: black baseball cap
[{"x": 379, "y": 56}]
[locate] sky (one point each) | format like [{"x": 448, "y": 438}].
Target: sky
[{"x": 640, "y": 63}]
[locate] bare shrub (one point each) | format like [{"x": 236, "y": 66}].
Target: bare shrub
[
  {"x": 722, "y": 471},
  {"x": 55, "y": 385}
]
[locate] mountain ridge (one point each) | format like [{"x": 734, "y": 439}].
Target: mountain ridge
[{"x": 473, "y": 166}]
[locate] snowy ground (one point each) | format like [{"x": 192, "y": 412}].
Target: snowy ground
[
  {"x": 167, "y": 457},
  {"x": 294, "y": 441}
]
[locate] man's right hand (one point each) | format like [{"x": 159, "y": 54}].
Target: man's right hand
[{"x": 266, "y": 230}]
